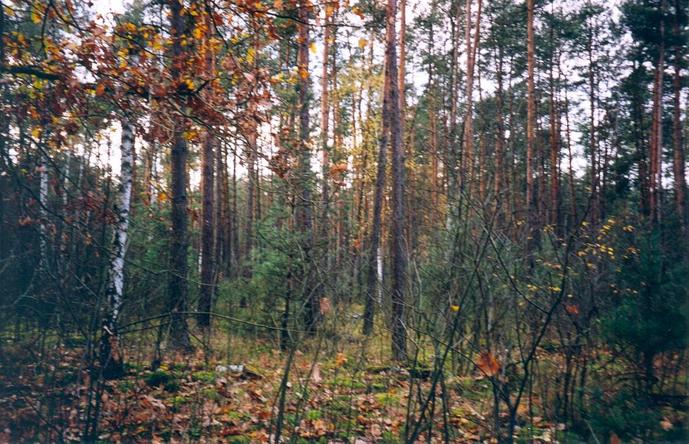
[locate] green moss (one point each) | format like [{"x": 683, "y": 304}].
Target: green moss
[
  {"x": 387, "y": 399},
  {"x": 313, "y": 415},
  {"x": 207, "y": 377},
  {"x": 210, "y": 393}
]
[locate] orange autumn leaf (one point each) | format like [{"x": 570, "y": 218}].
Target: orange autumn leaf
[
  {"x": 488, "y": 364},
  {"x": 340, "y": 359},
  {"x": 303, "y": 73},
  {"x": 338, "y": 169},
  {"x": 572, "y": 309}
]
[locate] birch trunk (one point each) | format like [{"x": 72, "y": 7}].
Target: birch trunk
[{"x": 111, "y": 355}]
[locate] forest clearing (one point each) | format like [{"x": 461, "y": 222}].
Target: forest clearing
[{"x": 344, "y": 221}]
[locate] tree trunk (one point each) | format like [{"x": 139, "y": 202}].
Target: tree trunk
[
  {"x": 111, "y": 355},
  {"x": 371, "y": 269},
  {"x": 304, "y": 214},
  {"x": 678, "y": 165},
  {"x": 179, "y": 267},
  {"x": 499, "y": 184},
  {"x": 595, "y": 199},
  {"x": 207, "y": 285},
  {"x": 656, "y": 141},
  {"x": 399, "y": 257},
  {"x": 325, "y": 127},
  {"x": 471, "y": 48},
  {"x": 554, "y": 218},
  {"x": 530, "y": 128}
]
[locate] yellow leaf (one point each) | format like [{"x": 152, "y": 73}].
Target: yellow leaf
[
  {"x": 303, "y": 73},
  {"x": 36, "y": 132},
  {"x": 250, "y": 55},
  {"x": 340, "y": 359},
  {"x": 312, "y": 48},
  {"x": 454, "y": 308},
  {"x": 197, "y": 32},
  {"x": 362, "y": 43},
  {"x": 36, "y": 17}
]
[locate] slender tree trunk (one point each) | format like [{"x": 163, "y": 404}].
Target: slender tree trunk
[
  {"x": 372, "y": 274},
  {"x": 593, "y": 147},
  {"x": 111, "y": 356},
  {"x": 499, "y": 185},
  {"x": 179, "y": 245},
  {"x": 656, "y": 141},
  {"x": 208, "y": 191},
  {"x": 678, "y": 166},
  {"x": 304, "y": 215},
  {"x": 43, "y": 201},
  {"x": 207, "y": 285},
  {"x": 325, "y": 127},
  {"x": 554, "y": 218},
  {"x": 471, "y": 48},
  {"x": 399, "y": 256},
  {"x": 530, "y": 128}
]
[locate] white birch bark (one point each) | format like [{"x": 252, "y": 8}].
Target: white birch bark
[
  {"x": 119, "y": 248},
  {"x": 43, "y": 201}
]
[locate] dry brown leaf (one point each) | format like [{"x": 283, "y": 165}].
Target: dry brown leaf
[{"x": 488, "y": 364}]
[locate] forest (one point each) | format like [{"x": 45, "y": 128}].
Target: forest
[{"x": 344, "y": 221}]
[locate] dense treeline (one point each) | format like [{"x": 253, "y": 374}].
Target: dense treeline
[{"x": 490, "y": 191}]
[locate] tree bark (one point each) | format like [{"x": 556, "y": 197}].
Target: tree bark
[
  {"x": 179, "y": 267},
  {"x": 399, "y": 256},
  {"x": 207, "y": 284},
  {"x": 111, "y": 356},
  {"x": 372, "y": 273},
  {"x": 530, "y": 127},
  {"x": 656, "y": 140},
  {"x": 304, "y": 213},
  {"x": 678, "y": 158}
]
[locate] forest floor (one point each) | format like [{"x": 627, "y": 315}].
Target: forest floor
[
  {"x": 194, "y": 399},
  {"x": 339, "y": 389}
]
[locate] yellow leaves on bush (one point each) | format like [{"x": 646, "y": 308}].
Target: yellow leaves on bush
[
  {"x": 36, "y": 132},
  {"x": 488, "y": 364},
  {"x": 363, "y": 43},
  {"x": 190, "y": 135},
  {"x": 36, "y": 15},
  {"x": 340, "y": 359},
  {"x": 303, "y": 73},
  {"x": 454, "y": 308},
  {"x": 330, "y": 8},
  {"x": 250, "y": 55}
]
